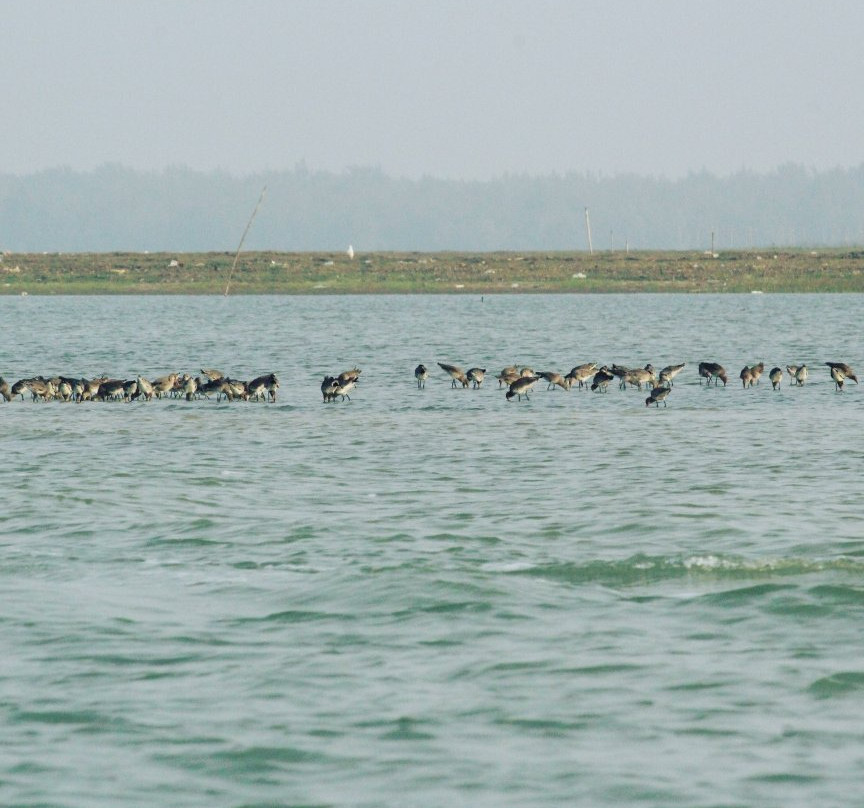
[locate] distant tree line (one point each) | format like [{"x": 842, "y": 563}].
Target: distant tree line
[{"x": 178, "y": 209}]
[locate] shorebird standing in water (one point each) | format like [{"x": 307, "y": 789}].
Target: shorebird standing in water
[
  {"x": 639, "y": 376},
  {"x": 620, "y": 371},
  {"x": 205, "y": 388},
  {"x": 554, "y": 379},
  {"x": 670, "y": 372},
  {"x": 801, "y": 375},
  {"x": 521, "y": 387},
  {"x": 776, "y": 376},
  {"x": 64, "y": 390},
  {"x": 164, "y": 384},
  {"x": 343, "y": 388},
  {"x": 328, "y": 388},
  {"x": 658, "y": 394},
  {"x": 232, "y": 389},
  {"x": 711, "y": 370},
  {"x": 476, "y": 376},
  {"x": 190, "y": 388},
  {"x": 111, "y": 390},
  {"x": 456, "y": 374},
  {"x": 507, "y": 376},
  {"x": 839, "y": 378},
  {"x": 601, "y": 380},
  {"x": 263, "y": 387},
  {"x": 352, "y": 375},
  {"x": 421, "y": 374},
  {"x": 845, "y": 369},
  {"x": 145, "y": 388},
  {"x": 756, "y": 372},
  {"x": 580, "y": 374}
]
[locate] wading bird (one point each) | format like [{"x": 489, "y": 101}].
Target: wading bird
[
  {"x": 845, "y": 369},
  {"x": 776, "y": 376},
  {"x": 711, "y": 370},
  {"x": 421, "y": 374},
  {"x": 521, "y": 387},
  {"x": 658, "y": 394},
  {"x": 456, "y": 374}
]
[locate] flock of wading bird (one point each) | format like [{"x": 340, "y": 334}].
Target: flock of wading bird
[
  {"x": 520, "y": 381},
  {"x": 174, "y": 385}
]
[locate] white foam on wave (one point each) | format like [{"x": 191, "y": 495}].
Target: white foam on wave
[{"x": 507, "y": 566}]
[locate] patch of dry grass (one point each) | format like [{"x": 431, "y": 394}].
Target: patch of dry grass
[{"x": 478, "y": 273}]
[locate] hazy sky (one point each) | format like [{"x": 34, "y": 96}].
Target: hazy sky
[{"x": 450, "y": 88}]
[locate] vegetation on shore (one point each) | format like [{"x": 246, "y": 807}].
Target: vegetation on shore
[
  {"x": 832, "y": 270},
  {"x": 114, "y": 207}
]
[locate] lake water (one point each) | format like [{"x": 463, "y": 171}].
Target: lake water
[{"x": 433, "y": 597}]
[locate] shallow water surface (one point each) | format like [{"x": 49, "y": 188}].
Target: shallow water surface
[{"x": 432, "y": 597}]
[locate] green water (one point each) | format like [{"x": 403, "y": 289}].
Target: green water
[{"x": 432, "y": 597}]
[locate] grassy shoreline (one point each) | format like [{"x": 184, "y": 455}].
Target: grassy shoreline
[{"x": 791, "y": 271}]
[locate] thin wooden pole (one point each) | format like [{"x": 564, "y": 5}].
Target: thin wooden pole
[{"x": 243, "y": 238}]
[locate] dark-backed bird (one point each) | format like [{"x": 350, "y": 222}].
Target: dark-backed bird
[
  {"x": 476, "y": 376},
  {"x": 421, "y": 374},
  {"x": 776, "y": 376},
  {"x": 328, "y": 388},
  {"x": 658, "y": 394},
  {"x": 521, "y": 387},
  {"x": 839, "y": 378},
  {"x": 263, "y": 387},
  {"x": 845, "y": 369},
  {"x": 620, "y": 371},
  {"x": 711, "y": 370},
  {"x": 601, "y": 380}
]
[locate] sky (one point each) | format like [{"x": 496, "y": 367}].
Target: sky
[{"x": 456, "y": 89}]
